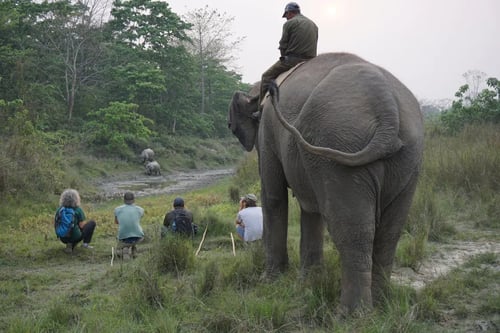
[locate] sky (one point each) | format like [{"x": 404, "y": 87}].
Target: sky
[{"x": 427, "y": 44}]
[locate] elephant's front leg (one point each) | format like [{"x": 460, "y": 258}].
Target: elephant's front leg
[
  {"x": 275, "y": 212},
  {"x": 311, "y": 239}
]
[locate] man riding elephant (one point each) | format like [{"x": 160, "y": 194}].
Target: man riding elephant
[{"x": 299, "y": 41}]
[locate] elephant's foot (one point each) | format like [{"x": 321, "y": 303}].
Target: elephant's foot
[
  {"x": 356, "y": 292},
  {"x": 357, "y": 312},
  {"x": 275, "y": 268},
  {"x": 380, "y": 283}
]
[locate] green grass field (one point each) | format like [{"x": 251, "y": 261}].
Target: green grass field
[{"x": 170, "y": 289}]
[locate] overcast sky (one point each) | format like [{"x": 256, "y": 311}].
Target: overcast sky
[{"x": 427, "y": 44}]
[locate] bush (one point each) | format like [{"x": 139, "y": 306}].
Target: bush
[
  {"x": 485, "y": 108},
  {"x": 174, "y": 254}
]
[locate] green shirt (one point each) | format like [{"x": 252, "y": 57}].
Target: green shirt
[
  {"x": 76, "y": 234},
  {"x": 129, "y": 219},
  {"x": 299, "y": 37}
]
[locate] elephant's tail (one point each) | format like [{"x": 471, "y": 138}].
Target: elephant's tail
[{"x": 382, "y": 145}]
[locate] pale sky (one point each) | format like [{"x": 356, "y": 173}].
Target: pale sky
[{"x": 427, "y": 44}]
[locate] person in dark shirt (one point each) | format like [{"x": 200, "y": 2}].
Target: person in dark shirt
[{"x": 181, "y": 213}]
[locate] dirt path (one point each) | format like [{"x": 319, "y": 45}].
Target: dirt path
[
  {"x": 445, "y": 258},
  {"x": 144, "y": 185}
]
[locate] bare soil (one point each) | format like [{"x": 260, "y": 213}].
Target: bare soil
[
  {"x": 443, "y": 259},
  {"x": 143, "y": 185}
]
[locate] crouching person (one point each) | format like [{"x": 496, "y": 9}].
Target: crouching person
[
  {"x": 249, "y": 226},
  {"x": 69, "y": 222},
  {"x": 128, "y": 217},
  {"x": 179, "y": 221}
]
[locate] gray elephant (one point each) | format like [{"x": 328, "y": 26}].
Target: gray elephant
[
  {"x": 153, "y": 168},
  {"x": 147, "y": 155},
  {"x": 347, "y": 137}
]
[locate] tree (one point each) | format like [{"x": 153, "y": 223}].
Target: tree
[
  {"x": 70, "y": 39},
  {"x": 485, "y": 108},
  {"x": 147, "y": 25},
  {"x": 116, "y": 126},
  {"x": 158, "y": 36},
  {"x": 474, "y": 79},
  {"x": 212, "y": 44},
  {"x": 17, "y": 20}
]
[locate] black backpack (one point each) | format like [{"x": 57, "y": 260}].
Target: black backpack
[{"x": 182, "y": 223}]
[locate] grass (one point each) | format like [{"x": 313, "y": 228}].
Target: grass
[{"x": 169, "y": 289}]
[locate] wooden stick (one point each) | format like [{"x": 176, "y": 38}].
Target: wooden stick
[
  {"x": 232, "y": 240},
  {"x": 202, "y": 239},
  {"x": 112, "y": 255}
]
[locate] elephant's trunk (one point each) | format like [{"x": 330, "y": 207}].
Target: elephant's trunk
[{"x": 384, "y": 142}]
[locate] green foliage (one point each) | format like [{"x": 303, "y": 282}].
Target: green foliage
[
  {"x": 175, "y": 254},
  {"x": 112, "y": 128},
  {"x": 27, "y": 165},
  {"x": 247, "y": 178},
  {"x": 148, "y": 25},
  {"x": 485, "y": 108}
]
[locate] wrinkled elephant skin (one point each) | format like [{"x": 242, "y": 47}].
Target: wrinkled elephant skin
[{"x": 353, "y": 167}]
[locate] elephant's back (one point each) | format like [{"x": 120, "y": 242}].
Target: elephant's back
[{"x": 337, "y": 100}]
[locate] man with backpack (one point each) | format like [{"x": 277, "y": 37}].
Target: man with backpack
[
  {"x": 69, "y": 222},
  {"x": 179, "y": 220}
]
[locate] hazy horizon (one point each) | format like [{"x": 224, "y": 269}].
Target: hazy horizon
[{"x": 427, "y": 44}]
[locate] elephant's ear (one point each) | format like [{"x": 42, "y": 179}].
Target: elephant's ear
[{"x": 240, "y": 121}]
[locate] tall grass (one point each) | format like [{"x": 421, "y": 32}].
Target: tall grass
[
  {"x": 170, "y": 289},
  {"x": 459, "y": 183}
]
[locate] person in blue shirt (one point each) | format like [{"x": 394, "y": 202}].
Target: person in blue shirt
[{"x": 128, "y": 217}]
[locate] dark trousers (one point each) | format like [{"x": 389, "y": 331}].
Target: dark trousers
[
  {"x": 281, "y": 66},
  {"x": 87, "y": 232}
]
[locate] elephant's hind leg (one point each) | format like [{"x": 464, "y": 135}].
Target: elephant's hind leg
[
  {"x": 386, "y": 239},
  {"x": 353, "y": 232}
]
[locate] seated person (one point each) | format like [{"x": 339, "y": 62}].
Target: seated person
[
  {"x": 249, "y": 219},
  {"x": 128, "y": 217},
  {"x": 179, "y": 220}
]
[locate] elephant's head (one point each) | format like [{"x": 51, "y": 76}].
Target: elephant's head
[{"x": 240, "y": 120}]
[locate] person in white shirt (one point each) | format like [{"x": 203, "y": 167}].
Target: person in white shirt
[{"x": 249, "y": 219}]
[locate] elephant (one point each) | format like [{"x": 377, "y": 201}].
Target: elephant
[
  {"x": 153, "y": 168},
  {"x": 147, "y": 155},
  {"x": 346, "y": 137}
]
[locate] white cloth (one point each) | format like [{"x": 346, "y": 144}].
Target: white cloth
[{"x": 252, "y": 219}]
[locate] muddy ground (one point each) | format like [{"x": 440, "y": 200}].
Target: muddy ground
[{"x": 143, "y": 185}]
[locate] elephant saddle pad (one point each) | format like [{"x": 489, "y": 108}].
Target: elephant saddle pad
[{"x": 282, "y": 77}]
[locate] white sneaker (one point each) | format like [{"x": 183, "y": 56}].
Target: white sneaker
[{"x": 87, "y": 246}]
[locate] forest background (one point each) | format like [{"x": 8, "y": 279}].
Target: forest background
[{"x": 85, "y": 88}]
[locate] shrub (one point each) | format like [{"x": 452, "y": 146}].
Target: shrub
[{"x": 174, "y": 254}]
